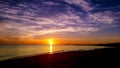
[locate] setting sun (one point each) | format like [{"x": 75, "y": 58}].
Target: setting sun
[{"x": 50, "y": 41}]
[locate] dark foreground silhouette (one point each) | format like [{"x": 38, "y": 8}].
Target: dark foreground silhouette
[{"x": 107, "y": 57}]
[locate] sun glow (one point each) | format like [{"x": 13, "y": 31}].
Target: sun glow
[{"x": 51, "y": 43}]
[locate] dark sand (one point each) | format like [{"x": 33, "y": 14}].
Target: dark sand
[{"x": 100, "y": 58}]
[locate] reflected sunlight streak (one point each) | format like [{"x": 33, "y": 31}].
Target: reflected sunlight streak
[
  {"x": 51, "y": 52},
  {"x": 51, "y": 43}
]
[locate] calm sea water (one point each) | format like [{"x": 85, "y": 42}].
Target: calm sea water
[{"x": 11, "y": 51}]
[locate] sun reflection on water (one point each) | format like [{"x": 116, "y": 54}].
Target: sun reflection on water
[{"x": 51, "y": 44}]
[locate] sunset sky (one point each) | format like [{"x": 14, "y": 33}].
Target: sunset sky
[{"x": 65, "y": 21}]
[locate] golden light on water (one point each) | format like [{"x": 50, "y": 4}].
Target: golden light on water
[
  {"x": 51, "y": 44},
  {"x": 51, "y": 49}
]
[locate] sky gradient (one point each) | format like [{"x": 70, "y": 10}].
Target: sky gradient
[{"x": 66, "y": 21}]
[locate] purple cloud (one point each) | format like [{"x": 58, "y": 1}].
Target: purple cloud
[
  {"x": 82, "y": 3},
  {"x": 27, "y": 20}
]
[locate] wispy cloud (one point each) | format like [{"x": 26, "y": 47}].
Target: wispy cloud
[
  {"x": 29, "y": 19},
  {"x": 81, "y": 3},
  {"x": 101, "y": 17},
  {"x": 51, "y": 3}
]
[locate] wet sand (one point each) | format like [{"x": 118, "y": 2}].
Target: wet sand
[{"x": 107, "y": 57}]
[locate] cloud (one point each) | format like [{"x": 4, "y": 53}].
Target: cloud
[
  {"x": 51, "y": 3},
  {"x": 62, "y": 23},
  {"x": 26, "y": 20},
  {"x": 101, "y": 17},
  {"x": 104, "y": 19},
  {"x": 82, "y": 3}
]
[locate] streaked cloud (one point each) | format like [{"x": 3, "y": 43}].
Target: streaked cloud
[
  {"x": 25, "y": 20},
  {"x": 81, "y": 3},
  {"x": 101, "y": 17}
]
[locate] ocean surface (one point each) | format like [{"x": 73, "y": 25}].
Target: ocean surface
[{"x": 12, "y": 51}]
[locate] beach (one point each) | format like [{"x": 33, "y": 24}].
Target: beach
[
  {"x": 59, "y": 33},
  {"x": 108, "y": 57}
]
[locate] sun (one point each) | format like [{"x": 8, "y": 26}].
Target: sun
[{"x": 50, "y": 41}]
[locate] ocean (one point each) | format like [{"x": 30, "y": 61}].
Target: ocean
[{"x": 13, "y": 51}]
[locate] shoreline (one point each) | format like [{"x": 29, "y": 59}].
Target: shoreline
[{"x": 72, "y": 59}]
